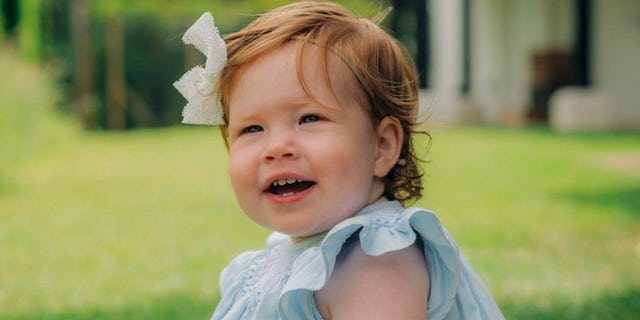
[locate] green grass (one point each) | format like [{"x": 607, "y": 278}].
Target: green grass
[
  {"x": 552, "y": 227},
  {"x": 138, "y": 225}
]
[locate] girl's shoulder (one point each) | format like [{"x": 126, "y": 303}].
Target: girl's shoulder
[{"x": 391, "y": 285}]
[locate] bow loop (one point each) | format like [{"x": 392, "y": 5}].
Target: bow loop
[{"x": 198, "y": 84}]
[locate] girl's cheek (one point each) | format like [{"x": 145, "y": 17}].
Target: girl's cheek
[{"x": 242, "y": 155}]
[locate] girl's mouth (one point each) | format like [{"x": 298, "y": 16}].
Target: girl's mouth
[{"x": 288, "y": 187}]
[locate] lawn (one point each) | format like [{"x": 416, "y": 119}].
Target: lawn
[{"x": 138, "y": 225}]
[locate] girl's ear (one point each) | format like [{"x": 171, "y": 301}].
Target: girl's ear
[{"x": 389, "y": 144}]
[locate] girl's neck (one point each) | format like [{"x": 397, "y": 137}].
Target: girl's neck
[{"x": 311, "y": 238}]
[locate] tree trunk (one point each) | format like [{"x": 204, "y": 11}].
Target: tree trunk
[
  {"x": 83, "y": 71},
  {"x": 116, "y": 88}
]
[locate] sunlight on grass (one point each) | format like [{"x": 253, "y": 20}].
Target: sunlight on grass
[{"x": 138, "y": 225}]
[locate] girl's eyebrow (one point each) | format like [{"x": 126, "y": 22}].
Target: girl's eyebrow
[{"x": 245, "y": 117}]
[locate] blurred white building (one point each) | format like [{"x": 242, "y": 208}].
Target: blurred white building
[{"x": 574, "y": 63}]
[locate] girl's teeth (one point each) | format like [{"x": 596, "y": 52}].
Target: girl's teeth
[{"x": 282, "y": 182}]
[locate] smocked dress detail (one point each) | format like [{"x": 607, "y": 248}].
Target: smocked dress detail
[{"x": 278, "y": 282}]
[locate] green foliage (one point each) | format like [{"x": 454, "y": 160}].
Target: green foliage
[
  {"x": 227, "y": 9},
  {"x": 154, "y": 55},
  {"x": 31, "y": 29}
]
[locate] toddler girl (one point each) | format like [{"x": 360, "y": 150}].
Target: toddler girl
[{"x": 318, "y": 109}]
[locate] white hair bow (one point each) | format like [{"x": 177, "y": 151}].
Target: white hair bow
[{"x": 198, "y": 84}]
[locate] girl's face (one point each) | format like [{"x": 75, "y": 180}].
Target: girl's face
[{"x": 298, "y": 165}]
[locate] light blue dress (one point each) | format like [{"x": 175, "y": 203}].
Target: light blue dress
[{"x": 278, "y": 282}]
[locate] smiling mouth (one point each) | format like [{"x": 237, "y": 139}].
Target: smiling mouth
[{"x": 289, "y": 187}]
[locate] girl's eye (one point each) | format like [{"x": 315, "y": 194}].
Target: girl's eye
[
  {"x": 252, "y": 129},
  {"x": 309, "y": 118}
]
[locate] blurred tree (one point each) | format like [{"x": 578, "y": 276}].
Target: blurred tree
[
  {"x": 120, "y": 57},
  {"x": 30, "y": 29},
  {"x": 410, "y": 23},
  {"x": 23, "y": 18},
  {"x": 9, "y": 17},
  {"x": 116, "y": 97},
  {"x": 83, "y": 66}
]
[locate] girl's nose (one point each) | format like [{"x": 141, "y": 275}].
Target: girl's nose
[
  {"x": 284, "y": 155},
  {"x": 280, "y": 146}
]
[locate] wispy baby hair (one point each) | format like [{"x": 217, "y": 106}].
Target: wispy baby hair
[{"x": 383, "y": 67}]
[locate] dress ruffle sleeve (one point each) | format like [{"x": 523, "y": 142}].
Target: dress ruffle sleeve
[{"x": 456, "y": 291}]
